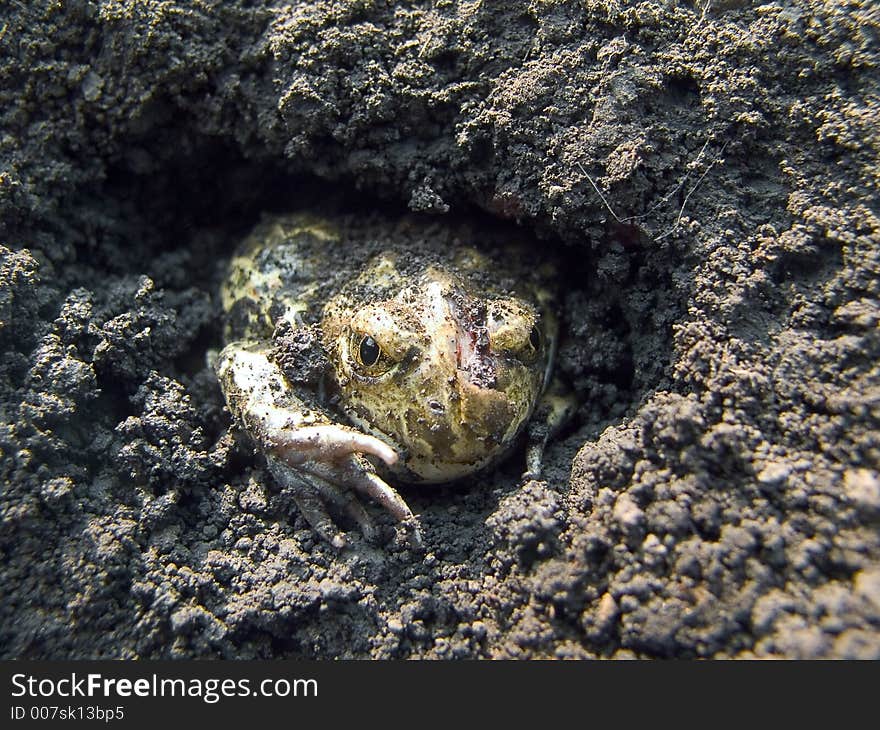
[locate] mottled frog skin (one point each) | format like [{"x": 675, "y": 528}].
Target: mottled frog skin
[{"x": 361, "y": 350}]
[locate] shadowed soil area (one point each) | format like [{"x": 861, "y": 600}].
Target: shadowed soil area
[{"x": 708, "y": 169}]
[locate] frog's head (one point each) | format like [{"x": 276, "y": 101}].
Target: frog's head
[{"x": 432, "y": 364}]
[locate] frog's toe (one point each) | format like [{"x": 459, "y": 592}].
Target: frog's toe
[
  {"x": 329, "y": 443},
  {"x": 371, "y": 484},
  {"x": 354, "y": 472},
  {"x": 534, "y": 462},
  {"x": 312, "y": 508},
  {"x": 378, "y": 489},
  {"x": 312, "y": 493}
]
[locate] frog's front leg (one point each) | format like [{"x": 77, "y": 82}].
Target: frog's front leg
[
  {"x": 318, "y": 460},
  {"x": 555, "y": 408}
]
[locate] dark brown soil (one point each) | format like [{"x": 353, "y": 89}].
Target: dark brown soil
[{"x": 710, "y": 170}]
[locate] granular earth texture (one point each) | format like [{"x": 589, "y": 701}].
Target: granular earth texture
[{"x": 708, "y": 169}]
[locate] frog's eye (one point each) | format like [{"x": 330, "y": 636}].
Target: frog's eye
[
  {"x": 369, "y": 351},
  {"x": 367, "y": 355},
  {"x": 535, "y": 338},
  {"x": 530, "y": 348}
]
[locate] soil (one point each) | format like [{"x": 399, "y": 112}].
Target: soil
[{"x": 710, "y": 170}]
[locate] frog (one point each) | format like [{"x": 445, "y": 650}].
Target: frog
[{"x": 363, "y": 352}]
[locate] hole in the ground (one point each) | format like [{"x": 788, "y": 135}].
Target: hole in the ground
[{"x": 180, "y": 225}]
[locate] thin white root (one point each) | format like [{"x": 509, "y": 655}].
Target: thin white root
[{"x": 665, "y": 198}]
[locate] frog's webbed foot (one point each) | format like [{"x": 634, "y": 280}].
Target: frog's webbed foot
[
  {"x": 319, "y": 462},
  {"x": 311, "y": 494},
  {"x": 322, "y": 465}
]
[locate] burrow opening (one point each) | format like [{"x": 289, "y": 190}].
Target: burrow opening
[{"x": 180, "y": 223}]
